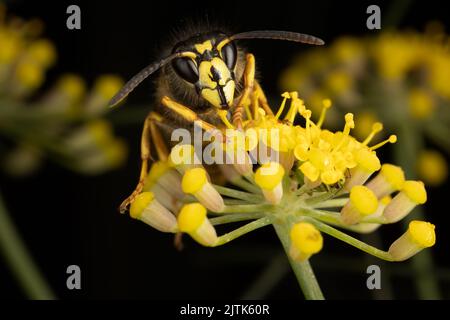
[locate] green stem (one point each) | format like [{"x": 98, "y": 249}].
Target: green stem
[
  {"x": 322, "y": 198},
  {"x": 247, "y": 186},
  {"x": 303, "y": 271},
  {"x": 229, "y": 218},
  {"x": 20, "y": 261},
  {"x": 249, "y": 227},
  {"x": 247, "y": 208},
  {"x": 322, "y": 215},
  {"x": 238, "y": 194},
  {"x": 332, "y": 203},
  {"x": 333, "y": 218},
  {"x": 350, "y": 240}
]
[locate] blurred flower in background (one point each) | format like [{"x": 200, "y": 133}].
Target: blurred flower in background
[
  {"x": 63, "y": 123},
  {"x": 398, "y": 78}
]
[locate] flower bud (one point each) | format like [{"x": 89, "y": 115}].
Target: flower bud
[
  {"x": 161, "y": 173},
  {"x": 192, "y": 219},
  {"x": 147, "y": 209},
  {"x": 412, "y": 194},
  {"x": 367, "y": 163},
  {"x": 391, "y": 178},
  {"x": 195, "y": 182},
  {"x": 269, "y": 178},
  {"x": 363, "y": 202},
  {"x": 306, "y": 240},
  {"x": 420, "y": 235}
]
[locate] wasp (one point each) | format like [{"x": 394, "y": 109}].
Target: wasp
[{"x": 207, "y": 79}]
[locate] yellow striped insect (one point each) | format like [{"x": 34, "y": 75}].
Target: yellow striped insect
[{"x": 206, "y": 79}]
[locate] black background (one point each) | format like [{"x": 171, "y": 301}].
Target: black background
[{"x": 69, "y": 219}]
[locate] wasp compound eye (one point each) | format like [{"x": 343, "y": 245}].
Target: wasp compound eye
[
  {"x": 229, "y": 55},
  {"x": 186, "y": 69}
]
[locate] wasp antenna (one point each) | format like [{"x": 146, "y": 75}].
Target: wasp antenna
[
  {"x": 278, "y": 35},
  {"x": 141, "y": 76}
]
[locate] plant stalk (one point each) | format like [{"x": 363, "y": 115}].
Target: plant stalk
[{"x": 303, "y": 271}]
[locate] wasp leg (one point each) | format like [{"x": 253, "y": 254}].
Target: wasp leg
[
  {"x": 188, "y": 114},
  {"x": 158, "y": 140},
  {"x": 178, "y": 241},
  {"x": 249, "y": 80},
  {"x": 262, "y": 99},
  {"x": 149, "y": 132}
]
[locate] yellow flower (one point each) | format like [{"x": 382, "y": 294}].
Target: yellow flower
[
  {"x": 394, "y": 55},
  {"x": 73, "y": 86},
  {"x": 192, "y": 219},
  {"x": 148, "y": 209},
  {"x": 419, "y": 235},
  {"x": 42, "y": 52},
  {"x": 306, "y": 240},
  {"x": 391, "y": 178},
  {"x": 29, "y": 75},
  {"x": 421, "y": 103},
  {"x": 338, "y": 81},
  {"x": 195, "y": 181},
  {"x": 11, "y": 45},
  {"x": 107, "y": 86},
  {"x": 412, "y": 194},
  {"x": 347, "y": 49},
  {"x": 269, "y": 178},
  {"x": 363, "y": 202},
  {"x": 432, "y": 167}
]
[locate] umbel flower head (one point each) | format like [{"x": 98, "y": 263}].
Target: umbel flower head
[
  {"x": 309, "y": 181},
  {"x": 62, "y": 123},
  {"x": 398, "y": 78}
]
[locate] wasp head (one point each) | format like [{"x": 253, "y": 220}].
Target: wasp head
[{"x": 210, "y": 68}]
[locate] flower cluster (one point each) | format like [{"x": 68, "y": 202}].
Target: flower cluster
[
  {"x": 317, "y": 181},
  {"x": 397, "y": 78},
  {"x": 62, "y": 123}
]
